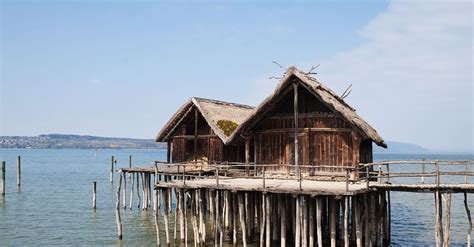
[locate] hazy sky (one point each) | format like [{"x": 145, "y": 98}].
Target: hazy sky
[{"x": 122, "y": 69}]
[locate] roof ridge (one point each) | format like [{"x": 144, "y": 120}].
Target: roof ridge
[{"x": 223, "y": 102}]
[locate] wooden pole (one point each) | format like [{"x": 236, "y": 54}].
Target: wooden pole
[
  {"x": 2, "y": 183},
  {"x": 311, "y": 221},
  {"x": 298, "y": 222},
  {"x": 332, "y": 220},
  {"x": 242, "y": 219},
  {"x": 124, "y": 192},
  {"x": 194, "y": 218},
  {"x": 247, "y": 156},
  {"x": 181, "y": 208},
  {"x": 357, "y": 207},
  {"x": 447, "y": 219},
  {"x": 282, "y": 203},
  {"x": 268, "y": 214},
  {"x": 129, "y": 165},
  {"x": 346, "y": 221},
  {"x": 438, "y": 221},
  {"x": 263, "y": 219},
  {"x": 468, "y": 212},
  {"x": 164, "y": 194},
  {"x": 112, "y": 169},
  {"x": 18, "y": 170},
  {"x": 117, "y": 207},
  {"x": 304, "y": 213},
  {"x": 202, "y": 217},
  {"x": 319, "y": 228},
  {"x": 138, "y": 190},
  {"x": 94, "y": 195},
  {"x": 234, "y": 219},
  {"x": 132, "y": 177},
  {"x": 156, "y": 214},
  {"x": 185, "y": 205},
  {"x": 196, "y": 114},
  {"x": 295, "y": 108}
]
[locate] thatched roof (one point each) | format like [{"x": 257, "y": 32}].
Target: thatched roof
[
  {"x": 323, "y": 93},
  {"x": 218, "y": 114}
]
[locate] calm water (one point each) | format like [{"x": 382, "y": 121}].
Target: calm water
[{"x": 53, "y": 206}]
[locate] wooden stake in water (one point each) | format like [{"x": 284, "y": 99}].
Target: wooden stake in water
[
  {"x": 117, "y": 207},
  {"x": 2, "y": 182},
  {"x": 94, "y": 195},
  {"x": 18, "y": 171},
  {"x": 112, "y": 170},
  {"x": 129, "y": 164}
]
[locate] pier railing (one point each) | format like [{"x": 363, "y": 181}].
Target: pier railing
[
  {"x": 407, "y": 172},
  {"x": 413, "y": 172},
  {"x": 187, "y": 170}
]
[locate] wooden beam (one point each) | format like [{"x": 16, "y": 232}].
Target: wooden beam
[
  {"x": 196, "y": 115},
  {"x": 303, "y": 130},
  {"x": 247, "y": 155},
  {"x": 295, "y": 109}
]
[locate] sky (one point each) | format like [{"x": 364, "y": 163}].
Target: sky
[{"x": 122, "y": 68}]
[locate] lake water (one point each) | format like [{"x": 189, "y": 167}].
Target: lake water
[{"x": 53, "y": 205}]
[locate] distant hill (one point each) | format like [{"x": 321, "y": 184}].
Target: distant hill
[
  {"x": 56, "y": 141},
  {"x": 401, "y": 148}
]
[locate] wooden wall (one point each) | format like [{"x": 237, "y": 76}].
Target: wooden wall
[
  {"x": 209, "y": 145},
  {"x": 324, "y": 138}
]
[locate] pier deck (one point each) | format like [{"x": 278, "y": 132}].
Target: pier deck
[{"x": 308, "y": 187}]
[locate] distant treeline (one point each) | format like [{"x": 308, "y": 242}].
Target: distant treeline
[{"x": 57, "y": 141}]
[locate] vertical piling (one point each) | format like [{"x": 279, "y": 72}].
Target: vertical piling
[
  {"x": 2, "y": 183},
  {"x": 18, "y": 170},
  {"x": 117, "y": 207},
  {"x": 94, "y": 195},
  {"x": 242, "y": 219},
  {"x": 112, "y": 169},
  {"x": 156, "y": 214},
  {"x": 281, "y": 202}
]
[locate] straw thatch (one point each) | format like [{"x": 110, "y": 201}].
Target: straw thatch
[
  {"x": 214, "y": 112},
  {"x": 323, "y": 93}
]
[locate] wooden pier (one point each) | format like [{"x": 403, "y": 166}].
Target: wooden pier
[{"x": 243, "y": 205}]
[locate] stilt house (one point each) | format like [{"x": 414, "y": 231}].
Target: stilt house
[{"x": 302, "y": 124}]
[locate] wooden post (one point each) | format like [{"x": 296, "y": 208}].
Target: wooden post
[
  {"x": 447, "y": 219},
  {"x": 202, "y": 217},
  {"x": 263, "y": 176},
  {"x": 439, "y": 219},
  {"x": 196, "y": 114},
  {"x": 319, "y": 228},
  {"x": 242, "y": 219},
  {"x": 18, "y": 171},
  {"x": 168, "y": 152},
  {"x": 295, "y": 108},
  {"x": 234, "y": 219},
  {"x": 2, "y": 183},
  {"x": 298, "y": 222},
  {"x": 129, "y": 165},
  {"x": 219, "y": 218},
  {"x": 268, "y": 214},
  {"x": 346, "y": 221},
  {"x": 332, "y": 220},
  {"x": 304, "y": 213},
  {"x": 282, "y": 203},
  {"x": 247, "y": 156},
  {"x": 194, "y": 218},
  {"x": 117, "y": 207},
  {"x": 112, "y": 169},
  {"x": 164, "y": 195},
  {"x": 132, "y": 177},
  {"x": 138, "y": 190},
  {"x": 357, "y": 211},
  {"x": 181, "y": 208},
  {"x": 94, "y": 195},
  {"x": 124, "y": 192},
  {"x": 156, "y": 214},
  {"x": 263, "y": 219},
  {"x": 468, "y": 212}
]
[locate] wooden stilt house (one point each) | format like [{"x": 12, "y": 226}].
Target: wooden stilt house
[
  {"x": 196, "y": 133},
  {"x": 305, "y": 123}
]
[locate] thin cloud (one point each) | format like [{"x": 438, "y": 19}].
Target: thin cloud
[{"x": 412, "y": 75}]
